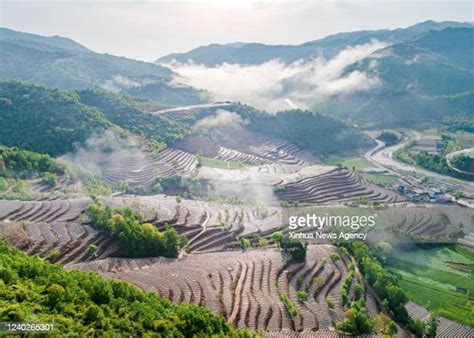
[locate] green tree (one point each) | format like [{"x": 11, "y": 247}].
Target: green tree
[{"x": 277, "y": 238}]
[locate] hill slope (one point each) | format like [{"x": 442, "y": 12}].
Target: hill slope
[
  {"x": 424, "y": 79},
  {"x": 80, "y": 303},
  {"x": 45, "y": 120},
  {"x": 257, "y": 53},
  {"x": 63, "y": 63}
]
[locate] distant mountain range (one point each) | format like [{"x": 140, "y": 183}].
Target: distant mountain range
[
  {"x": 63, "y": 63},
  {"x": 425, "y": 72},
  {"x": 423, "y": 79},
  {"x": 257, "y": 53}
]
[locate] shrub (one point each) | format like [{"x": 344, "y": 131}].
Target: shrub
[
  {"x": 135, "y": 238},
  {"x": 49, "y": 179},
  {"x": 289, "y": 306},
  {"x": 302, "y": 295},
  {"x": 357, "y": 321}
]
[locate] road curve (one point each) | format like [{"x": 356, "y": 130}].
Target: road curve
[
  {"x": 468, "y": 152},
  {"x": 382, "y": 156},
  {"x": 195, "y": 106}
]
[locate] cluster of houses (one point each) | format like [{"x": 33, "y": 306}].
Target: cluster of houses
[{"x": 425, "y": 194}]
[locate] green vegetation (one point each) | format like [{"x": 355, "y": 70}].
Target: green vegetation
[
  {"x": 383, "y": 282},
  {"x": 357, "y": 320},
  {"x": 463, "y": 163},
  {"x": 135, "y": 238},
  {"x": 215, "y": 163},
  {"x": 86, "y": 304},
  {"x": 62, "y": 63},
  {"x": 433, "y": 278},
  {"x": 438, "y": 162},
  {"x": 381, "y": 179},
  {"x": 459, "y": 122},
  {"x": 23, "y": 163},
  {"x": 302, "y": 295},
  {"x": 45, "y": 120},
  {"x": 346, "y": 286},
  {"x": 125, "y": 113},
  {"x": 296, "y": 249},
  {"x": 390, "y": 138},
  {"x": 15, "y": 189},
  {"x": 289, "y": 306},
  {"x": 277, "y": 238},
  {"x": 298, "y": 127},
  {"x": 349, "y": 162}
]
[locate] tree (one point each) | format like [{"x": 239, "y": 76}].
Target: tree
[
  {"x": 357, "y": 321},
  {"x": 92, "y": 250},
  {"x": 263, "y": 243},
  {"x": 432, "y": 326},
  {"x": 302, "y": 295},
  {"x": 417, "y": 327},
  {"x": 277, "y": 238},
  {"x": 244, "y": 244},
  {"x": 392, "y": 328}
]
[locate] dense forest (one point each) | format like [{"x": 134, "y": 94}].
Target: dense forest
[
  {"x": 122, "y": 111},
  {"x": 317, "y": 133},
  {"x": 24, "y": 163},
  {"x": 86, "y": 304},
  {"x": 135, "y": 237},
  {"x": 53, "y": 121},
  {"x": 45, "y": 120}
]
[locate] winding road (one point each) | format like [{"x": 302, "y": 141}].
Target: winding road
[
  {"x": 467, "y": 152},
  {"x": 196, "y": 106},
  {"x": 382, "y": 156}
]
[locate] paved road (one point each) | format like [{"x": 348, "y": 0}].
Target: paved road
[
  {"x": 382, "y": 156},
  {"x": 195, "y": 106},
  {"x": 467, "y": 152}
]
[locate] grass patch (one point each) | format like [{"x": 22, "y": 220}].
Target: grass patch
[
  {"x": 450, "y": 304},
  {"x": 214, "y": 163},
  {"x": 381, "y": 179},
  {"x": 442, "y": 276},
  {"x": 349, "y": 162},
  {"x": 436, "y": 258}
]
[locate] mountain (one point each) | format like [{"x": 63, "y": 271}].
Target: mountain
[
  {"x": 54, "y": 121},
  {"x": 423, "y": 79},
  {"x": 51, "y": 42},
  {"x": 63, "y": 63},
  {"x": 45, "y": 120},
  {"x": 257, "y": 53}
]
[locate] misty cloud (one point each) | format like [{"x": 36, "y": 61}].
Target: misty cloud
[
  {"x": 222, "y": 118},
  {"x": 275, "y": 85},
  {"x": 101, "y": 152},
  {"x": 118, "y": 83}
]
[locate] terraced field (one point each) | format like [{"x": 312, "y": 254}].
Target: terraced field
[
  {"x": 142, "y": 171},
  {"x": 245, "y": 287},
  {"x": 446, "y": 327},
  {"x": 208, "y": 226},
  {"x": 335, "y": 185}
]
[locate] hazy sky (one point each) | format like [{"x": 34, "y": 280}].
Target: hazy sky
[{"x": 149, "y": 29}]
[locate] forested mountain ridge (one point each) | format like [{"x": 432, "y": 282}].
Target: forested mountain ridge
[
  {"x": 425, "y": 79},
  {"x": 53, "y": 121},
  {"x": 45, "y": 120},
  {"x": 257, "y": 53},
  {"x": 80, "y": 303},
  {"x": 58, "y": 42},
  {"x": 63, "y": 63}
]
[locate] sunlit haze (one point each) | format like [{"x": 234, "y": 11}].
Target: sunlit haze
[{"x": 149, "y": 29}]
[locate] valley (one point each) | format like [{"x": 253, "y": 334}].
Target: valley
[{"x": 169, "y": 208}]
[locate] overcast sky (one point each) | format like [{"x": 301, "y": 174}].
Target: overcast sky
[{"x": 149, "y": 29}]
